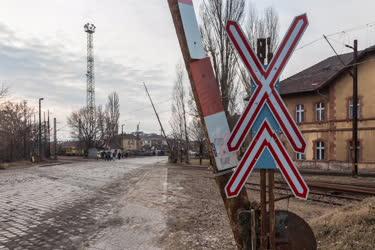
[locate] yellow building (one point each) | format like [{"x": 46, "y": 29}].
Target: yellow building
[
  {"x": 130, "y": 142},
  {"x": 320, "y": 99}
]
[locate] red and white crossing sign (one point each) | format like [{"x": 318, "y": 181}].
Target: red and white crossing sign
[
  {"x": 267, "y": 139},
  {"x": 266, "y": 94},
  {"x": 265, "y": 80}
]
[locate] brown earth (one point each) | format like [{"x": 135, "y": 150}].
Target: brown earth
[{"x": 197, "y": 218}]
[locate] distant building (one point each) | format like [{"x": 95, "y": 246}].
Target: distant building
[
  {"x": 320, "y": 99},
  {"x": 143, "y": 141},
  {"x": 130, "y": 142},
  {"x": 154, "y": 141},
  {"x": 70, "y": 148}
]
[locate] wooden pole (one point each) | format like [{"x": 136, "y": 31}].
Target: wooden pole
[
  {"x": 157, "y": 116},
  {"x": 234, "y": 205}
]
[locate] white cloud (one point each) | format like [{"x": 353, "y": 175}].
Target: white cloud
[{"x": 43, "y": 49}]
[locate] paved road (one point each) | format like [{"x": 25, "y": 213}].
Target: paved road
[{"x": 69, "y": 206}]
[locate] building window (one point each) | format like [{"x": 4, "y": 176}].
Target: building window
[
  {"x": 351, "y": 150},
  {"x": 320, "y": 150},
  {"x": 350, "y": 109},
  {"x": 301, "y": 156},
  {"x": 320, "y": 111},
  {"x": 300, "y": 113}
]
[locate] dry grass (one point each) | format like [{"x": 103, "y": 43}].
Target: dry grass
[{"x": 350, "y": 227}]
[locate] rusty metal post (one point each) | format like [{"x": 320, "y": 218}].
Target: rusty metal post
[
  {"x": 261, "y": 53},
  {"x": 234, "y": 205},
  {"x": 253, "y": 234},
  {"x": 263, "y": 209},
  {"x": 271, "y": 208}
]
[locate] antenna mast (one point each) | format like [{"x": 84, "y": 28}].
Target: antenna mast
[{"x": 90, "y": 94}]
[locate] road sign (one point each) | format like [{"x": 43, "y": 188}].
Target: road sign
[
  {"x": 265, "y": 79},
  {"x": 191, "y": 28},
  {"x": 264, "y": 107},
  {"x": 213, "y": 111},
  {"x": 207, "y": 89},
  {"x": 267, "y": 139}
]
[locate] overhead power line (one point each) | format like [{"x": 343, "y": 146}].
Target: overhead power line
[{"x": 360, "y": 27}]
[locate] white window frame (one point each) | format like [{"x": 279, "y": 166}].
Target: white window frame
[
  {"x": 300, "y": 156},
  {"x": 320, "y": 111},
  {"x": 320, "y": 150},
  {"x": 300, "y": 113}
]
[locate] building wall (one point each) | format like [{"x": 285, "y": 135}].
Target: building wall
[
  {"x": 336, "y": 130},
  {"x": 130, "y": 144}
]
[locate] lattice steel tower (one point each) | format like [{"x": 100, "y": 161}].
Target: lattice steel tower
[{"x": 90, "y": 98}]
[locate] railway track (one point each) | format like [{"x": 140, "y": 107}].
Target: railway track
[
  {"x": 320, "y": 191},
  {"x": 327, "y": 197}
]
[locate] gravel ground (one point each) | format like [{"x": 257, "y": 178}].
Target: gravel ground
[
  {"x": 196, "y": 214},
  {"x": 143, "y": 203}
]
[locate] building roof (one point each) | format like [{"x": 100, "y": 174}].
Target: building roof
[
  {"x": 128, "y": 136},
  {"x": 321, "y": 74}
]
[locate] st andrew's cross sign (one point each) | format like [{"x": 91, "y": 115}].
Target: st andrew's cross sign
[{"x": 266, "y": 95}]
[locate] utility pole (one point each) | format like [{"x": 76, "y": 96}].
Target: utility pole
[
  {"x": 54, "y": 139},
  {"x": 157, "y": 116},
  {"x": 48, "y": 137},
  {"x": 122, "y": 129},
  {"x": 233, "y": 206},
  {"x": 40, "y": 130},
  {"x": 44, "y": 135},
  {"x": 355, "y": 108},
  {"x": 354, "y": 75}
]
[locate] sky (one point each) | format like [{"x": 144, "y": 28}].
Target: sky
[{"x": 43, "y": 50}]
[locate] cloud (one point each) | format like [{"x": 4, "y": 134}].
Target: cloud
[{"x": 34, "y": 68}]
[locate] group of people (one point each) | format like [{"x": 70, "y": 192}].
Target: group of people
[{"x": 109, "y": 155}]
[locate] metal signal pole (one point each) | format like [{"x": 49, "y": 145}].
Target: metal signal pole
[{"x": 261, "y": 53}]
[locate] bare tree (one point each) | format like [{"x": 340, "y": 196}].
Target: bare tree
[
  {"x": 215, "y": 14},
  {"x": 179, "y": 114},
  {"x": 86, "y": 128},
  {"x": 112, "y": 117},
  {"x": 99, "y": 130},
  {"x": 197, "y": 135},
  {"x": 18, "y": 133},
  {"x": 229, "y": 72},
  {"x": 256, "y": 27},
  {"x": 3, "y": 91}
]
